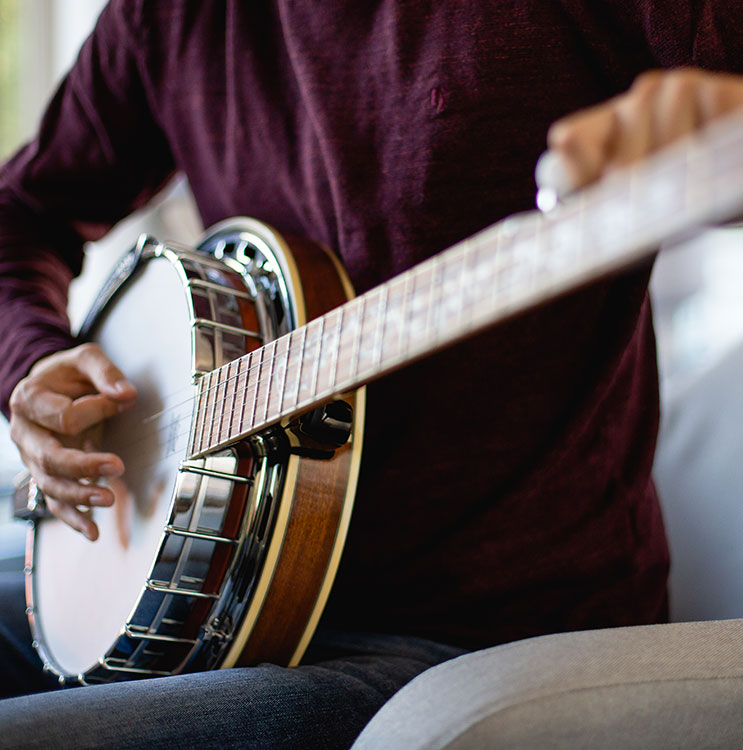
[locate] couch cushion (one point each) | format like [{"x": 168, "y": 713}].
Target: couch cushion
[{"x": 659, "y": 686}]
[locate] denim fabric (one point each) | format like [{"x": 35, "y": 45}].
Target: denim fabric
[
  {"x": 20, "y": 668},
  {"x": 324, "y": 703}
]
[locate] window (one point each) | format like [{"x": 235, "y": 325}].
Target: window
[{"x": 9, "y": 76}]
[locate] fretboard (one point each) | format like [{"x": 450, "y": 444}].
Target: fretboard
[{"x": 509, "y": 267}]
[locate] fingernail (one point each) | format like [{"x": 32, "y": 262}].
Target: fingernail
[
  {"x": 123, "y": 386},
  {"x": 109, "y": 470},
  {"x": 98, "y": 498}
]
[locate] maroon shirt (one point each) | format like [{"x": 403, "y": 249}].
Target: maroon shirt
[{"x": 505, "y": 488}]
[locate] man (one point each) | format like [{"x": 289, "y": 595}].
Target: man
[{"x": 505, "y": 490}]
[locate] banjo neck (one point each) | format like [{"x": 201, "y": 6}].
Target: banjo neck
[{"x": 505, "y": 269}]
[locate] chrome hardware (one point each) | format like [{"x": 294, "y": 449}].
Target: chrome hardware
[
  {"x": 191, "y": 469},
  {"x": 143, "y": 634},
  {"x": 202, "y": 323},
  {"x": 169, "y": 529},
  {"x": 29, "y": 503},
  {"x": 330, "y": 424},
  {"x": 163, "y": 588},
  {"x": 202, "y": 284},
  {"x": 109, "y": 665},
  {"x": 215, "y": 629},
  {"x": 145, "y": 247}
]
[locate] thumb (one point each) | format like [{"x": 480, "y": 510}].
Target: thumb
[{"x": 108, "y": 380}]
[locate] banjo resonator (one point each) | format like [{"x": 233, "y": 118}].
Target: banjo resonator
[{"x": 200, "y": 553}]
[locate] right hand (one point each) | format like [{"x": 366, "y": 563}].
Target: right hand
[
  {"x": 56, "y": 412},
  {"x": 659, "y": 108}
]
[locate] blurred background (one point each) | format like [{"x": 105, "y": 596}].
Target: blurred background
[{"x": 696, "y": 288}]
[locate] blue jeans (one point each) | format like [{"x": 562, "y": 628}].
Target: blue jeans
[{"x": 324, "y": 703}]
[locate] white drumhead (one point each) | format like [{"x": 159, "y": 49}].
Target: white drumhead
[{"x": 84, "y": 591}]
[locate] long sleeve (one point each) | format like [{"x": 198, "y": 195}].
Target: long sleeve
[{"x": 98, "y": 155}]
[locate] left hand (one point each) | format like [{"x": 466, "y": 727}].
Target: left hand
[{"x": 659, "y": 107}]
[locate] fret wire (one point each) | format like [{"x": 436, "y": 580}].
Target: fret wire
[
  {"x": 316, "y": 368},
  {"x": 455, "y": 270},
  {"x": 427, "y": 302},
  {"x": 334, "y": 365},
  {"x": 508, "y": 271},
  {"x": 369, "y": 315},
  {"x": 207, "y": 406},
  {"x": 445, "y": 296},
  {"x": 381, "y": 325},
  {"x": 219, "y": 402},
  {"x": 404, "y": 313},
  {"x": 270, "y": 376},
  {"x": 467, "y": 267},
  {"x": 259, "y": 385},
  {"x": 291, "y": 357},
  {"x": 254, "y": 405},
  {"x": 490, "y": 261},
  {"x": 225, "y": 394},
  {"x": 301, "y": 362},
  {"x": 200, "y": 416},
  {"x": 417, "y": 328},
  {"x": 355, "y": 361},
  {"x": 494, "y": 298},
  {"x": 390, "y": 322},
  {"x": 329, "y": 345},
  {"x": 203, "y": 437},
  {"x": 527, "y": 250},
  {"x": 195, "y": 418},
  {"x": 488, "y": 294},
  {"x": 446, "y": 293},
  {"x": 247, "y": 403},
  {"x": 213, "y": 406},
  {"x": 207, "y": 390},
  {"x": 436, "y": 300},
  {"x": 241, "y": 389},
  {"x": 283, "y": 379},
  {"x": 221, "y": 395},
  {"x": 229, "y": 394}
]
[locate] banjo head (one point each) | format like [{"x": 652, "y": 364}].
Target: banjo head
[
  {"x": 171, "y": 575},
  {"x": 84, "y": 591}
]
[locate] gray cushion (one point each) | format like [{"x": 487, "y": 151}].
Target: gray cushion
[{"x": 660, "y": 686}]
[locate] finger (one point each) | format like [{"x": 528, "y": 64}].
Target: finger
[
  {"x": 72, "y": 492},
  {"x": 60, "y": 413},
  {"x": 73, "y": 517},
  {"x": 103, "y": 373},
  {"x": 42, "y": 451},
  {"x": 583, "y": 142},
  {"x": 720, "y": 95},
  {"x": 677, "y": 112}
]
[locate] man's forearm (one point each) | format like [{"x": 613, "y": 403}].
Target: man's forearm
[{"x": 33, "y": 323}]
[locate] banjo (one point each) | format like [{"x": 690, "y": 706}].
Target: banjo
[{"x": 243, "y": 450}]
